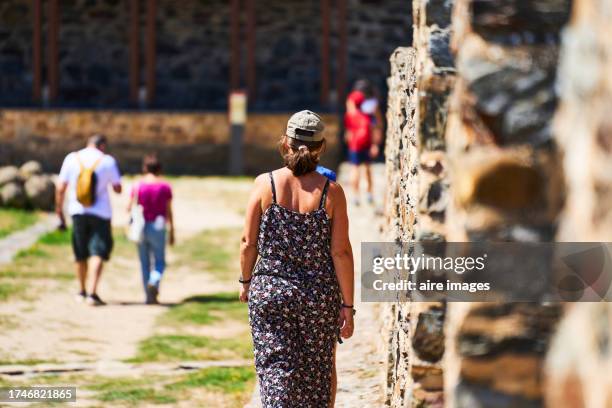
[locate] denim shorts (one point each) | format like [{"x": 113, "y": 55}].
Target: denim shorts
[
  {"x": 359, "y": 156},
  {"x": 91, "y": 236}
]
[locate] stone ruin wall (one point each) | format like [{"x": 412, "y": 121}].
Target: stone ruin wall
[
  {"x": 419, "y": 86},
  {"x": 519, "y": 151},
  {"x": 579, "y": 363},
  {"x": 193, "y": 51},
  {"x": 187, "y": 142}
]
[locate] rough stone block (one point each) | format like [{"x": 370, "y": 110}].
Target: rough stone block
[
  {"x": 40, "y": 191},
  {"x": 509, "y": 180},
  {"x": 428, "y": 337},
  {"x": 9, "y": 174},
  {"x": 29, "y": 169},
  {"x": 13, "y": 195},
  {"x": 515, "y": 22}
]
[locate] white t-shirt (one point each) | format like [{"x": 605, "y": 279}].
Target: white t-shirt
[{"x": 107, "y": 174}]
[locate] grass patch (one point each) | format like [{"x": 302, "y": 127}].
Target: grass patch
[
  {"x": 10, "y": 289},
  {"x": 27, "y": 362},
  {"x": 214, "y": 251},
  {"x": 49, "y": 258},
  {"x": 135, "y": 395},
  {"x": 34, "y": 274},
  {"x": 229, "y": 386},
  {"x": 34, "y": 252},
  {"x": 228, "y": 380},
  {"x": 174, "y": 347},
  {"x": 105, "y": 384},
  {"x": 128, "y": 390},
  {"x": 12, "y": 220},
  {"x": 206, "y": 309},
  {"x": 56, "y": 237}
]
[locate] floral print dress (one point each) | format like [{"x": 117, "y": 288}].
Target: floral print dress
[{"x": 294, "y": 301}]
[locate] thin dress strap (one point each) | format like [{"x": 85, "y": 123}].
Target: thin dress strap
[
  {"x": 273, "y": 188},
  {"x": 324, "y": 195}
]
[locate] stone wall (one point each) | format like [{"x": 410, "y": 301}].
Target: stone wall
[
  {"x": 506, "y": 185},
  {"x": 187, "y": 143},
  {"x": 193, "y": 51},
  {"x": 497, "y": 169},
  {"x": 94, "y": 53},
  {"x": 401, "y": 211},
  {"x": 579, "y": 363},
  {"x": 419, "y": 87},
  {"x": 375, "y": 29},
  {"x": 15, "y": 53}
]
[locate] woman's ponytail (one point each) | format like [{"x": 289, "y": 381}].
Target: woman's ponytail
[{"x": 299, "y": 156}]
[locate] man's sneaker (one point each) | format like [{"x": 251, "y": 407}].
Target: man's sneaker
[
  {"x": 94, "y": 300},
  {"x": 370, "y": 199},
  {"x": 152, "y": 293},
  {"x": 81, "y": 297}
]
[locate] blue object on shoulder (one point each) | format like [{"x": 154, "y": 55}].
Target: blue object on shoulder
[{"x": 330, "y": 174}]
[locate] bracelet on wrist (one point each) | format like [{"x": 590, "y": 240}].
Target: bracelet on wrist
[
  {"x": 349, "y": 307},
  {"x": 244, "y": 281}
]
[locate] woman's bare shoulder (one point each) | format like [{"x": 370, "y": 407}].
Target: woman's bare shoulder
[
  {"x": 335, "y": 190},
  {"x": 261, "y": 178},
  {"x": 262, "y": 188},
  {"x": 336, "y": 200}
]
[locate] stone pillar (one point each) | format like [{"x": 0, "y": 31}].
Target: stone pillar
[
  {"x": 401, "y": 210},
  {"x": 579, "y": 363},
  {"x": 506, "y": 185},
  {"x": 420, "y": 83}
]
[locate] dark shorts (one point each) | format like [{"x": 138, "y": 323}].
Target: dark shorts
[
  {"x": 359, "y": 156},
  {"x": 91, "y": 236}
]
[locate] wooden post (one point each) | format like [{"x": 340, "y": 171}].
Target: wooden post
[
  {"x": 150, "y": 57},
  {"x": 235, "y": 44},
  {"x": 134, "y": 50},
  {"x": 251, "y": 50},
  {"x": 325, "y": 13},
  {"x": 36, "y": 50},
  {"x": 342, "y": 54},
  {"x": 53, "y": 50}
]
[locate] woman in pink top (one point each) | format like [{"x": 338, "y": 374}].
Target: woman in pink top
[{"x": 155, "y": 196}]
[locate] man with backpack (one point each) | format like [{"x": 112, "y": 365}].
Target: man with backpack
[{"x": 86, "y": 175}]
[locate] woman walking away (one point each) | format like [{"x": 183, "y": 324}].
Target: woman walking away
[
  {"x": 155, "y": 197},
  {"x": 300, "y": 292}
]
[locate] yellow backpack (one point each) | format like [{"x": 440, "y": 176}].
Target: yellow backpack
[{"x": 86, "y": 183}]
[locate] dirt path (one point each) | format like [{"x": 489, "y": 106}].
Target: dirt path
[
  {"x": 15, "y": 242},
  {"x": 360, "y": 360},
  {"x": 54, "y": 327}
]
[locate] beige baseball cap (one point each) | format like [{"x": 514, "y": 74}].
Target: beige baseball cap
[{"x": 306, "y": 126}]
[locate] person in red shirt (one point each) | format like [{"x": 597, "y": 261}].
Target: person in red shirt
[{"x": 361, "y": 149}]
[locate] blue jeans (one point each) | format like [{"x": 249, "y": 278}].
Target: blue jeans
[{"x": 152, "y": 247}]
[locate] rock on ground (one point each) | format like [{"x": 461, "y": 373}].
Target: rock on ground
[
  {"x": 29, "y": 169},
  {"x": 40, "y": 190},
  {"x": 8, "y": 174},
  {"x": 13, "y": 195}
]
